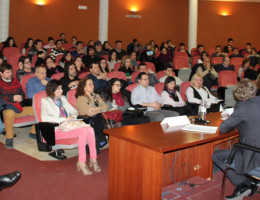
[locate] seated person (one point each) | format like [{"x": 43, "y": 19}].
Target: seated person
[
  {"x": 126, "y": 67},
  {"x": 112, "y": 60},
  {"x": 99, "y": 79},
  {"x": 199, "y": 50},
  {"x": 67, "y": 57},
  {"x": 58, "y": 50},
  {"x": 41, "y": 55},
  {"x": 79, "y": 50},
  {"x": 197, "y": 93},
  {"x": 90, "y": 57},
  {"x": 236, "y": 54},
  {"x": 51, "y": 67},
  {"x": 79, "y": 66},
  {"x": 218, "y": 52},
  {"x": 114, "y": 98},
  {"x": 119, "y": 51},
  {"x": 142, "y": 67},
  {"x": 208, "y": 73},
  {"x": 248, "y": 49},
  {"x": 146, "y": 95},
  {"x": 10, "y": 42},
  {"x": 248, "y": 73},
  {"x": 106, "y": 47},
  {"x": 62, "y": 38},
  {"x": 204, "y": 55},
  {"x": 1, "y": 58},
  {"x": 224, "y": 66},
  {"x": 98, "y": 49},
  {"x": 172, "y": 98},
  {"x": 133, "y": 56},
  {"x": 229, "y": 44},
  {"x": 147, "y": 54},
  {"x": 103, "y": 65},
  {"x": 182, "y": 49},
  {"x": 11, "y": 97},
  {"x": 56, "y": 109},
  {"x": 25, "y": 67},
  {"x": 70, "y": 79},
  {"x": 50, "y": 44},
  {"x": 91, "y": 105},
  {"x": 38, "y": 83},
  {"x": 28, "y": 45},
  {"x": 168, "y": 70},
  {"x": 246, "y": 118},
  {"x": 228, "y": 51},
  {"x": 254, "y": 58},
  {"x": 37, "y": 46},
  {"x": 165, "y": 58}
]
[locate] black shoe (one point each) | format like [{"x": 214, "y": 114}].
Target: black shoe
[
  {"x": 9, "y": 143},
  {"x": 240, "y": 192},
  {"x": 9, "y": 179},
  {"x": 254, "y": 188}
]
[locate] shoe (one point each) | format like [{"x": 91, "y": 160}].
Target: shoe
[
  {"x": 9, "y": 179},
  {"x": 102, "y": 144},
  {"x": 9, "y": 143},
  {"x": 81, "y": 166},
  {"x": 95, "y": 165},
  {"x": 254, "y": 188},
  {"x": 33, "y": 136},
  {"x": 239, "y": 193}
]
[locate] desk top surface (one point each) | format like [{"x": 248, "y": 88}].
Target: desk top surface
[{"x": 152, "y": 136}]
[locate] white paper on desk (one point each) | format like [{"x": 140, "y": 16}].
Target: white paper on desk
[
  {"x": 226, "y": 113},
  {"x": 200, "y": 128},
  {"x": 174, "y": 123}
]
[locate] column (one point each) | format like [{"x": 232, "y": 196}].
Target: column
[
  {"x": 4, "y": 19},
  {"x": 193, "y": 18},
  {"x": 103, "y": 20}
]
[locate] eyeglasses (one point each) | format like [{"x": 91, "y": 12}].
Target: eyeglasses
[
  {"x": 90, "y": 84},
  {"x": 118, "y": 85}
]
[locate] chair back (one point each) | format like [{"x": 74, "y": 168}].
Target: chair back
[
  {"x": 161, "y": 74},
  {"x": 106, "y": 56},
  {"x": 131, "y": 87},
  {"x": 180, "y": 62},
  {"x": 150, "y": 66},
  {"x": 116, "y": 74},
  {"x": 211, "y": 51},
  {"x": 117, "y": 66},
  {"x": 84, "y": 74},
  {"x": 57, "y": 76},
  {"x": 195, "y": 59},
  {"x": 159, "y": 88},
  {"x": 193, "y": 52},
  {"x": 58, "y": 58},
  {"x": 71, "y": 97},
  {"x": 217, "y": 60},
  {"x": 237, "y": 62},
  {"x": 183, "y": 89},
  {"x": 180, "y": 53},
  {"x": 34, "y": 60},
  {"x": 37, "y": 104},
  {"x": 7, "y": 51},
  {"x": 227, "y": 78},
  {"x": 246, "y": 54},
  {"x": 67, "y": 46},
  {"x": 134, "y": 75},
  {"x": 13, "y": 60},
  {"x": 24, "y": 81}
]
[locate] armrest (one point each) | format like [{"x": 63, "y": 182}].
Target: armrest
[{"x": 240, "y": 145}]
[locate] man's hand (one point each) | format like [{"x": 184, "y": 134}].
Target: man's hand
[
  {"x": 18, "y": 98},
  {"x": 44, "y": 82}
]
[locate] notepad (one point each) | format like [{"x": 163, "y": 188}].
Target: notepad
[{"x": 200, "y": 128}]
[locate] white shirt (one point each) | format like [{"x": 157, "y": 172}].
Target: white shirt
[
  {"x": 170, "y": 101},
  {"x": 177, "y": 80}
]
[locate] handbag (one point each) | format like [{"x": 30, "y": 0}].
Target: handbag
[
  {"x": 115, "y": 115},
  {"x": 71, "y": 125}
]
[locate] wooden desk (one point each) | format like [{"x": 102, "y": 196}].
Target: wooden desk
[{"x": 141, "y": 158}]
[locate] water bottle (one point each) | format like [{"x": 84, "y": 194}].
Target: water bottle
[{"x": 202, "y": 111}]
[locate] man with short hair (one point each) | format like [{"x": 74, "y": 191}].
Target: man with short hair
[
  {"x": 119, "y": 51},
  {"x": 236, "y": 54},
  {"x": 62, "y": 38},
  {"x": 98, "y": 49},
  {"x": 79, "y": 50},
  {"x": 142, "y": 67},
  {"x": 37, "y": 46},
  {"x": 99, "y": 79},
  {"x": 230, "y": 42},
  {"x": 168, "y": 70},
  {"x": 11, "y": 97},
  {"x": 218, "y": 52},
  {"x": 74, "y": 40},
  {"x": 38, "y": 83},
  {"x": 200, "y": 49},
  {"x": 57, "y": 50},
  {"x": 224, "y": 66},
  {"x": 147, "y": 96}
]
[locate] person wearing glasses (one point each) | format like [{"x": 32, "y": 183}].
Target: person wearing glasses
[
  {"x": 25, "y": 67},
  {"x": 117, "y": 100}
]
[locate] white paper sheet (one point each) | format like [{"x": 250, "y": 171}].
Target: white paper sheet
[
  {"x": 200, "y": 128},
  {"x": 176, "y": 121}
]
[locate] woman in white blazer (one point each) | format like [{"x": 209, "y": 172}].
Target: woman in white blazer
[{"x": 56, "y": 109}]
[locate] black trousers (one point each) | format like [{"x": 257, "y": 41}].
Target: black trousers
[{"x": 133, "y": 120}]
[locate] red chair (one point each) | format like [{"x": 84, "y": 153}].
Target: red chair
[
  {"x": 160, "y": 74},
  {"x": 59, "y": 144},
  {"x": 7, "y": 51},
  {"x": 22, "y": 46},
  {"x": 84, "y": 74},
  {"x": 193, "y": 52},
  {"x": 237, "y": 62},
  {"x": 180, "y": 53},
  {"x": 116, "y": 74},
  {"x": 180, "y": 62},
  {"x": 227, "y": 78},
  {"x": 211, "y": 51},
  {"x": 34, "y": 59},
  {"x": 13, "y": 60},
  {"x": 183, "y": 89},
  {"x": 246, "y": 54},
  {"x": 150, "y": 66},
  {"x": 195, "y": 60},
  {"x": 217, "y": 60},
  {"x": 131, "y": 87},
  {"x": 24, "y": 81},
  {"x": 1, "y": 45},
  {"x": 27, "y": 50},
  {"x": 105, "y": 56},
  {"x": 71, "y": 97},
  {"x": 157, "y": 54},
  {"x": 159, "y": 88},
  {"x": 58, "y": 58},
  {"x": 57, "y": 76},
  {"x": 134, "y": 75},
  {"x": 67, "y": 46},
  {"x": 117, "y": 66}
]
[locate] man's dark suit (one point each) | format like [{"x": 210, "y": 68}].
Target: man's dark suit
[{"x": 246, "y": 118}]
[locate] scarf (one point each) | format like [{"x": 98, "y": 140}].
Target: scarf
[
  {"x": 118, "y": 98},
  {"x": 58, "y": 103},
  {"x": 173, "y": 94}
]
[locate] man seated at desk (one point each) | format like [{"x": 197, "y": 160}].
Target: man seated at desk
[
  {"x": 146, "y": 95},
  {"x": 246, "y": 118}
]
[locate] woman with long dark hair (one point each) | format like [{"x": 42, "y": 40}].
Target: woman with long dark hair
[
  {"x": 67, "y": 57},
  {"x": 28, "y": 44}
]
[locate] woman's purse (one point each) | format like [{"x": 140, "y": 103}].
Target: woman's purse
[
  {"x": 71, "y": 125},
  {"x": 113, "y": 117}
]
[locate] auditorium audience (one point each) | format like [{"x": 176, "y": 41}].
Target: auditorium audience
[
  {"x": 37, "y": 46},
  {"x": 197, "y": 93},
  {"x": 142, "y": 67},
  {"x": 62, "y": 38},
  {"x": 67, "y": 57},
  {"x": 199, "y": 50},
  {"x": 172, "y": 99},
  {"x": 58, "y": 50},
  {"x": 248, "y": 49},
  {"x": 28, "y": 45},
  {"x": 74, "y": 40},
  {"x": 204, "y": 55},
  {"x": 41, "y": 55},
  {"x": 147, "y": 54},
  {"x": 254, "y": 58},
  {"x": 119, "y": 51},
  {"x": 126, "y": 67},
  {"x": 10, "y": 42},
  {"x": 52, "y": 68},
  {"x": 99, "y": 79},
  {"x": 236, "y": 54},
  {"x": 226, "y": 48},
  {"x": 11, "y": 97},
  {"x": 168, "y": 70},
  {"x": 50, "y": 44},
  {"x": 70, "y": 79},
  {"x": 56, "y": 109},
  {"x": 98, "y": 49},
  {"x": 164, "y": 59},
  {"x": 38, "y": 83},
  {"x": 133, "y": 56},
  {"x": 147, "y": 96},
  {"x": 79, "y": 66},
  {"x": 112, "y": 60},
  {"x": 248, "y": 73},
  {"x": 106, "y": 47},
  {"x": 90, "y": 57},
  {"x": 104, "y": 68},
  {"x": 79, "y": 50},
  {"x": 91, "y": 105},
  {"x": 25, "y": 67},
  {"x": 224, "y": 66},
  {"x": 218, "y": 52}
]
